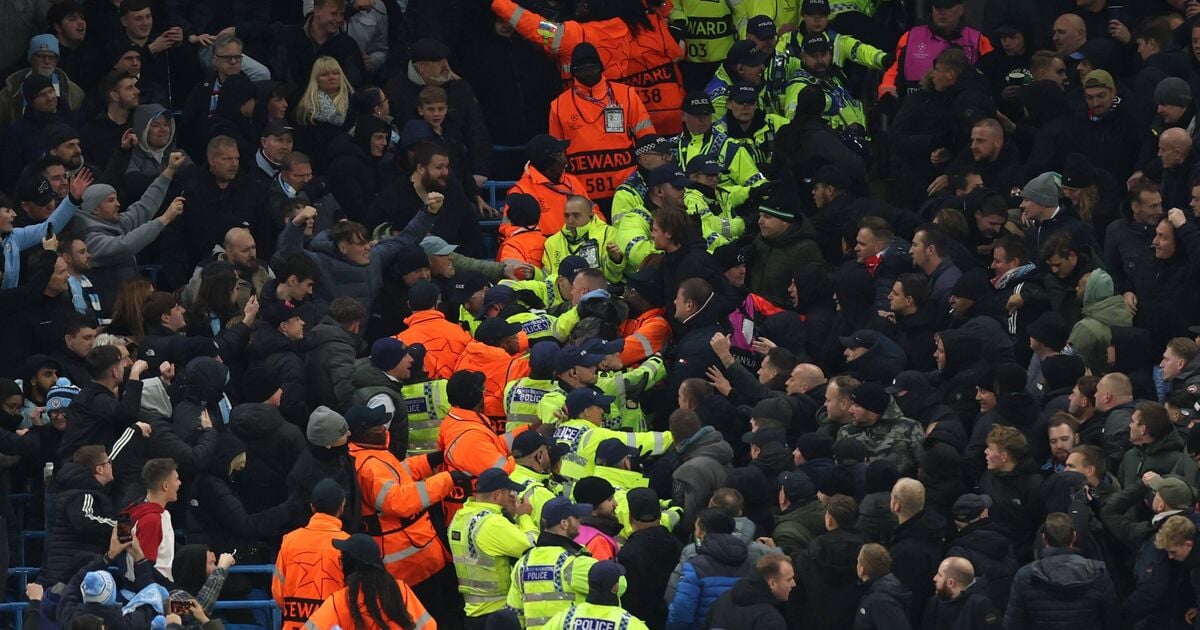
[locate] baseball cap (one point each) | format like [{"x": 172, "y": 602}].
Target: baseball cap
[
  {"x": 972, "y": 285},
  {"x": 584, "y": 54},
  {"x": 860, "y": 339},
  {"x": 363, "y": 417},
  {"x": 729, "y": 256},
  {"x": 494, "y": 479},
  {"x": 527, "y": 444},
  {"x": 742, "y": 94},
  {"x": 277, "y": 128},
  {"x": 437, "y": 246},
  {"x": 773, "y": 408},
  {"x": 815, "y": 44},
  {"x": 541, "y": 356},
  {"x": 796, "y": 485},
  {"x": 560, "y": 509},
  {"x": 745, "y": 52},
  {"x": 652, "y": 144},
  {"x": 1175, "y": 492},
  {"x": 465, "y": 284},
  {"x": 908, "y": 381},
  {"x": 969, "y": 506},
  {"x": 575, "y": 356},
  {"x": 571, "y": 265},
  {"x": 278, "y": 312},
  {"x": 611, "y": 451},
  {"x": 604, "y": 575},
  {"x": 667, "y": 174},
  {"x": 697, "y": 103},
  {"x": 762, "y": 27},
  {"x": 596, "y": 345},
  {"x": 423, "y": 295},
  {"x": 495, "y": 329},
  {"x": 581, "y": 398},
  {"x": 35, "y": 189},
  {"x": 327, "y": 492},
  {"x": 764, "y": 436},
  {"x": 545, "y": 144},
  {"x": 362, "y": 549},
  {"x": 1098, "y": 79},
  {"x": 428, "y": 49},
  {"x": 704, "y": 164},
  {"x": 815, "y": 7},
  {"x": 499, "y": 294},
  {"x": 832, "y": 176},
  {"x": 870, "y": 396}
]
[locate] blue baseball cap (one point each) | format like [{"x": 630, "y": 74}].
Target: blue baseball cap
[
  {"x": 581, "y": 398},
  {"x": 494, "y": 479},
  {"x": 575, "y": 356},
  {"x": 571, "y": 265},
  {"x": 604, "y": 575},
  {"x": 559, "y": 509},
  {"x": 596, "y": 345},
  {"x": 613, "y": 450},
  {"x": 667, "y": 174}
]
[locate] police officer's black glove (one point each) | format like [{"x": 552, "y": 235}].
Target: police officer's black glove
[
  {"x": 888, "y": 60},
  {"x": 462, "y": 481},
  {"x": 435, "y": 458}
]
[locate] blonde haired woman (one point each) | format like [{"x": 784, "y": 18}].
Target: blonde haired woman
[{"x": 322, "y": 111}]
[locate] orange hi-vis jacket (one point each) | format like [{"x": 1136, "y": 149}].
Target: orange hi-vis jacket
[
  {"x": 396, "y": 497},
  {"x": 603, "y": 123},
  {"x": 443, "y": 341},
  {"x": 308, "y": 569},
  {"x": 552, "y": 197},
  {"x": 521, "y": 243},
  {"x": 654, "y": 72},
  {"x": 498, "y": 367},
  {"x": 335, "y": 612},
  {"x": 469, "y": 444},
  {"x": 558, "y": 39},
  {"x": 645, "y": 335}
]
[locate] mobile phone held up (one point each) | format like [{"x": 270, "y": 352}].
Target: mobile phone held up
[
  {"x": 124, "y": 530},
  {"x": 180, "y": 608}
]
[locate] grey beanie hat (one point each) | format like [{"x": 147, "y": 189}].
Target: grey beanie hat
[
  {"x": 95, "y": 194},
  {"x": 1044, "y": 190},
  {"x": 1173, "y": 91},
  {"x": 326, "y": 426}
]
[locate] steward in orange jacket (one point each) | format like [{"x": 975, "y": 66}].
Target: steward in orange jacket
[
  {"x": 308, "y": 569},
  {"x": 444, "y": 342},
  {"x": 466, "y": 438},
  {"x": 397, "y": 496},
  {"x": 520, "y": 238},
  {"x": 494, "y": 353},
  {"x": 602, "y": 120},
  {"x": 546, "y": 181},
  {"x": 654, "y": 71},
  {"x": 369, "y": 582},
  {"x": 609, "y": 35},
  {"x": 648, "y": 331}
]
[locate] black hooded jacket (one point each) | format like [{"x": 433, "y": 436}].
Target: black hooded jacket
[
  {"x": 83, "y": 520},
  {"x": 827, "y": 590},
  {"x": 1135, "y": 352},
  {"x": 940, "y": 466},
  {"x": 271, "y": 350},
  {"x": 353, "y": 170},
  {"x": 202, "y": 388},
  {"x": 881, "y": 363},
  {"x": 272, "y": 447},
  {"x": 815, "y": 304},
  {"x": 227, "y": 119},
  {"x": 917, "y": 548},
  {"x": 985, "y": 545},
  {"x": 963, "y": 369},
  {"x": 219, "y": 518},
  {"x": 316, "y": 463},
  {"x": 749, "y": 605},
  {"x": 854, "y": 290}
]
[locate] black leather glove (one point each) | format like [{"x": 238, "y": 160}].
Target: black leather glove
[
  {"x": 888, "y": 60},
  {"x": 435, "y": 458},
  {"x": 462, "y": 481}
]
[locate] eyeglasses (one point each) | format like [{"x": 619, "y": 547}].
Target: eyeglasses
[{"x": 230, "y": 58}]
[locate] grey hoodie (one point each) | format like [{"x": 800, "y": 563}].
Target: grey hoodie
[
  {"x": 144, "y": 160},
  {"x": 703, "y": 466},
  {"x": 114, "y": 245}
]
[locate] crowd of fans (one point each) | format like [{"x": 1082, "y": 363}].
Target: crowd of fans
[{"x": 799, "y": 314}]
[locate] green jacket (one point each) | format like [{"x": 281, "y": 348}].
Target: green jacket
[
  {"x": 1165, "y": 457},
  {"x": 893, "y": 437},
  {"x": 1102, "y": 310},
  {"x": 773, "y": 260},
  {"x": 798, "y": 526}
]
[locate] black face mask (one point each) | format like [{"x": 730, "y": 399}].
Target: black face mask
[
  {"x": 909, "y": 404},
  {"x": 588, "y": 75}
]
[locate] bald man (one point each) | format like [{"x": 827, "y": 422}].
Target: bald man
[
  {"x": 1070, "y": 33},
  {"x": 959, "y": 601},
  {"x": 916, "y": 543},
  {"x": 1114, "y": 411},
  {"x": 806, "y": 391},
  {"x": 1178, "y": 161},
  {"x": 240, "y": 250}
]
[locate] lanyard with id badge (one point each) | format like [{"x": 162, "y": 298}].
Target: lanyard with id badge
[{"x": 614, "y": 119}]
